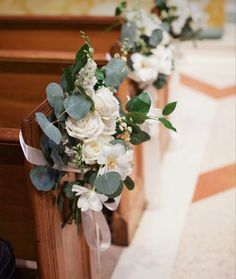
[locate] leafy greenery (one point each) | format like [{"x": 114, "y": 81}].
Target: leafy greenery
[
  {"x": 48, "y": 128},
  {"x": 167, "y": 123},
  {"x": 54, "y": 93},
  {"x": 44, "y": 178},
  {"x": 140, "y": 137},
  {"x": 129, "y": 183},
  {"x": 77, "y": 106},
  {"x": 140, "y": 103},
  {"x": 115, "y": 72},
  {"x": 120, "y": 8},
  {"x": 156, "y": 37},
  {"x": 169, "y": 108},
  {"x": 128, "y": 32},
  {"x": 108, "y": 183},
  {"x": 137, "y": 117}
]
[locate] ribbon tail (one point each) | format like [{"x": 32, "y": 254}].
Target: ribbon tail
[{"x": 32, "y": 155}]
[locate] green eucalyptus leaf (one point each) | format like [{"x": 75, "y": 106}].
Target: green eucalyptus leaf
[
  {"x": 54, "y": 93},
  {"x": 120, "y": 8},
  {"x": 115, "y": 72},
  {"x": 67, "y": 189},
  {"x": 99, "y": 74},
  {"x": 118, "y": 192},
  {"x": 169, "y": 108},
  {"x": 141, "y": 103},
  {"x": 81, "y": 58},
  {"x": 128, "y": 31},
  {"x": 59, "y": 109},
  {"x": 156, "y": 37},
  {"x": 92, "y": 178},
  {"x": 68, "y": 80},
  {"x": 108, "y": 183},
  {"x": 138, "y": 138},
  {"x": 48, "y": 128},
  {"x": 44, "y": 178},
  {"x": 136, "y": 117},
  {"x": 167, "y": 124},
  {"x": 60, "y": 202},
  {"x": 129, "y": 183},
  {"x": 160, "y": 81},
  {"x": 77, "y": 106}
]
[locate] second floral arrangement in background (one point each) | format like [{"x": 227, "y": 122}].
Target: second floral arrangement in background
[{"x": 151, "y": 59}]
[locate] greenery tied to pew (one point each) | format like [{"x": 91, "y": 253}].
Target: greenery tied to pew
[{"x": 90, "y": 134}]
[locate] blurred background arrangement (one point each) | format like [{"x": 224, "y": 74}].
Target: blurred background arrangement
[{"x": 186, "y": 227}]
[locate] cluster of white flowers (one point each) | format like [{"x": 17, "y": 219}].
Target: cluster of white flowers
[
  {"x": 86, "y": 77},
  {"x": 146, "y": 22},
  {"x": 147, "y": 68},
  {"x": 97, "y": 128},
  {"x": 184, "y": 10}
]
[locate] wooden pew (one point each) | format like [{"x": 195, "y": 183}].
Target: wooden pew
[
  {"x": 31, "y": 71},
  {"x": 29, "y": 219},
  {"x": 57, "y": 33}
]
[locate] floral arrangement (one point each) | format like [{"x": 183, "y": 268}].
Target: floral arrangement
[
  {"x": 151, "y": 59},
  {"x": 182, "y": 19},
  {"x": 90, "y": 134}
]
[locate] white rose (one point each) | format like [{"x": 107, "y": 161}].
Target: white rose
[
  {"x": 91, "y": 149},
  {"x": 164, "y": 58},
  {"x": 106, "y": 104},
  {"x": 145, "y": 68},
  {"x": 91, "y": 126},
  {"x": 116, "y": 158}
]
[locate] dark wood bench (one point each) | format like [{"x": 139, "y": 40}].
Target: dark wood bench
[{"x": 57, "y": 33}]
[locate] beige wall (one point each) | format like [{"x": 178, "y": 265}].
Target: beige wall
[{"x": 62, "y": 7}]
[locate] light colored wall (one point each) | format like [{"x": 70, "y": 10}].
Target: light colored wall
[{"x": 63, "y": 7}]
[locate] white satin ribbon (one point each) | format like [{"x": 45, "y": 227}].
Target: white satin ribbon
[{"x": 95, "y": 227}]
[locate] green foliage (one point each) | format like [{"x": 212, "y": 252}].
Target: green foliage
[
  {"x": 48, "y": 128},
  {"x": 118, "y": 192},
  {"x": 99, "y": 74},
  {"x": 108, "y": 183},
  {"x": 160, "y": 81},
  {"x": 128, "y": 31},
  {"x": 120, "y": 8},
  {"x": 156, "y": 37},
  {"x": 68, "y": 80},
  {"x": 44, "y": 178},
  {"x": 169, "y": 108},
  {"x": 60, "y": 202},
  {"x": 54, "y": 92},
  {"x": 140, "y": 103},
  {"x": 67, "y": 189},
  {"x": 140, "y": 137},
  {"x": 136, "y": 117},
  {"x": 167, "y": 124},
  {"x": 77, "y": 106},
  {"x": 81, "y": 58},
  {"x": 115, "y": 72},
  {"x": 129, "y": 183}
]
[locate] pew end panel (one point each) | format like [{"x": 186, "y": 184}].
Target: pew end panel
[{"x": 61, "y": 253}]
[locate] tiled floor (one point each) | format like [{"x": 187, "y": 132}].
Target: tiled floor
[{"x": 207, "y": 247}]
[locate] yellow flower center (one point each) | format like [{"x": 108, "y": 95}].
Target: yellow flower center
[{"x": 111, "y": 163}]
